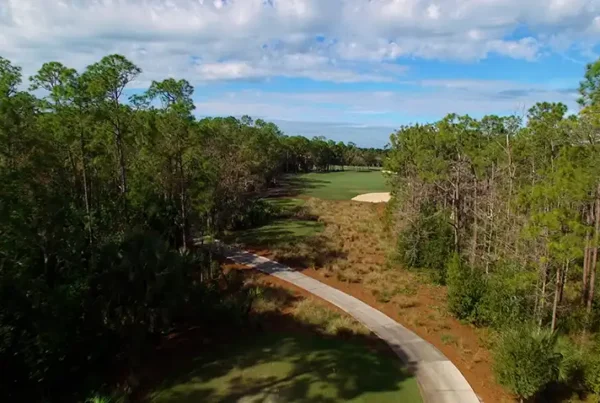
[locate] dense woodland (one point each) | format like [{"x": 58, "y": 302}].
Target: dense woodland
[
  {"x": 506, "y": 212},
  {"x": 101, "y": 198}
]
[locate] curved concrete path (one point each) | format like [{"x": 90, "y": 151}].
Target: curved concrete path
[{"x": 440, "y": 381}]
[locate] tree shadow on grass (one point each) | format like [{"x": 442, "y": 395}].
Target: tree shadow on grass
[
  {"x": 276, "y": 359},
  {"x": 294, "y": 185}
]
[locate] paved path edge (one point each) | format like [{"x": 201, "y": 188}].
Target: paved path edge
[{"x": 438, "y": 378}]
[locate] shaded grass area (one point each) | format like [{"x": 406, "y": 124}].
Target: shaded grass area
[
  {"x": 289, "y": 367},
  {"x": 278, "y": 232},
  {"x": 290, "y": 223},
  {"x": 340, "y": 185},
  {"x": 295, "y": 348}
]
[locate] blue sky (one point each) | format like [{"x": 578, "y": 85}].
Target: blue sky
[{"x": 350, "y": 70}]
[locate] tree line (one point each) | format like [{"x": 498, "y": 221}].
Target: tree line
[
  {"x": 101, "y": 198},
  {"x": 304, "y": 155},
  {"x": 506, "y": 212}
]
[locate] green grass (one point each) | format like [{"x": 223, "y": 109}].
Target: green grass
[
  {"x": 340, "y": 185},
  {"x": 271, "y": 367},
  {"x": 291, "y": 225},
  {"x": 278, "y": 232}
]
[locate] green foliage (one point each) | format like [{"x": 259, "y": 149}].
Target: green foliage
[
  {"x": 592, "y": 371},
  {"x": 520, "y": 201},
  {"x": 525, "y": 360},
  {"x": 427, "y": 243},
  {"x": 98, "y": 204},
  {"x": 507, "y": 300},
  {"x": 572, "y": 364},
  {"x": 589, "y": 88},
  {"x": 466, "y": 289},
  {"x": 254, "y": 213}
]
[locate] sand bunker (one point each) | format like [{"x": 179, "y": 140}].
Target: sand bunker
[{"x": 373, "y": 197}]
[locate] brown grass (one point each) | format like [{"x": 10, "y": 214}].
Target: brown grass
[{"x": 305, "y": 310}]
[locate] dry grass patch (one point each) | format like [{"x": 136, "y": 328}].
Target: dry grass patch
[
  {"x": 307, "y": 310},
  {"x": 404, "y": 302},
  {"x": 314, "y": 312}
]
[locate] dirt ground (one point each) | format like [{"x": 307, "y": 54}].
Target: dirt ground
[{"x": 353, "y": 255}]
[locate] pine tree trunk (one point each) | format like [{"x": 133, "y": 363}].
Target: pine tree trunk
[
  {"x": 542, "y": 298},
  {"x": 594, "y": 258},
  {"x": 121, "y": 155},
  {"x": 556, "y": 298},
  {"x": 586, "y": 267},
  {"x": 86, "y": 187},
  {"x": 182, "y": 197},
  {"x": 563, "y": 281},
  {"x": 456, "y": 211},
  {"x": 475, "y": 225}
]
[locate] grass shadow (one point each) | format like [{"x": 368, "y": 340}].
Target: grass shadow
[
  {"x": 295, "y": 185},
  {"x": 276, "y": 359}
]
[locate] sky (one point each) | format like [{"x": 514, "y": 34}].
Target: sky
[{"x": 352, "y": 70}]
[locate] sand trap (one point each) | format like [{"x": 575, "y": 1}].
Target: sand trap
[{"x": 373, "y": 197}]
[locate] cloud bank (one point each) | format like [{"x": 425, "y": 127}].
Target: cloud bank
[{"x": 327, "y": 40}]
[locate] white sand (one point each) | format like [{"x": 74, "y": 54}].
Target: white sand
[{"x": 373, "y": 197}]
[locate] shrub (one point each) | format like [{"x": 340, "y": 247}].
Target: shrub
[
  {"x": 592, "y": 372},
  {"x": 427, "y": 243},
  {"x": 507, "y": 296},
  {"x": 252, "y": 213},
  {"x": 466, "y": 290},
  {"x": 525, "y": 360},
  {"x": 572, "y": 364}
]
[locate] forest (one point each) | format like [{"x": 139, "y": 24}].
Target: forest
[
  {"x": 505, "y": 211},
  {"x": 102, "y": 195}
]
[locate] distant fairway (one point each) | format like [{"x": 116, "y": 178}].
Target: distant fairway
[{"x": 341, "y": 185}]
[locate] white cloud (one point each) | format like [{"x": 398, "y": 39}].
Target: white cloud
[
  {"x": 205, "y": 40},
  {"x": 388, "y": 108}
]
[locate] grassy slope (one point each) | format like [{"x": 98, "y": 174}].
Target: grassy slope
[{"x": 290, "y": 368}]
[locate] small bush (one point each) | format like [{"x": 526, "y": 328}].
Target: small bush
[
  {"x": 427, "y": 243},
  {"x": 572, "y": 364},
  {"x": 525, "y": 361},
  {"x": 253, "y": 212},
  {"x": 466, "y": 289},
  {"x": 507, "y": 298},
  {"x": 591, "y": 367}
]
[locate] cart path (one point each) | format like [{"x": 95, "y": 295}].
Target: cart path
[{"x": 439, "y": 379}]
